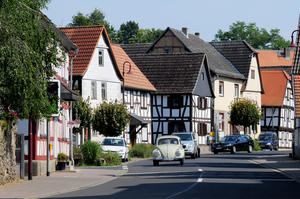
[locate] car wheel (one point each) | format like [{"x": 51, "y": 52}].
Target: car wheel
[
  {"x": 271, "y": 148},
  {"x": 250, "y": 148},
  {"x": 193, "y": 156},
  {"x": 155, "y": 163},
  {"x": 198, "y": 152},
  {"x": 233, "y": 150},
  {"x": 182, "y": 162},
  {"x": 215, "y": 152}
]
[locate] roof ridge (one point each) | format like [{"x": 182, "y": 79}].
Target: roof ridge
[{"x": 75, "y": 27}]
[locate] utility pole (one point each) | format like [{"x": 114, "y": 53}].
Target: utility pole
[{"x": 30, "y": 149}]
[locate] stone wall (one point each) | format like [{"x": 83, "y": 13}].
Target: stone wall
[{"x": 7, "y": 152}]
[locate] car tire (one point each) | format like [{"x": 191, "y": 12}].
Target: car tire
[
  {"x": 155, "y": 163},
  {"x": 215, "y": 152},
  {"x": 198, "y": 152},
  {"x": 182, "y": 162},
  {"x": 193, "y": 156},
  {"x": 271, "y": 148},
  {"x": 233, "y": 150},
  {"x": 250, "y": 149}
]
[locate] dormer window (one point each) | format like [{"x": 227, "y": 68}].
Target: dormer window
[{"x": 100, "y": 58}]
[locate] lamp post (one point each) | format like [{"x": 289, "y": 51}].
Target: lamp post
[
  {"x": 129, "y": 72},
  {"x": 292, "y": 39}
]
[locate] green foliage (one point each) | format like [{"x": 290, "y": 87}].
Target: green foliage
[
  {"x": 95, "y": 18},
  {"x": 127, "y": 31},
  {"x": 146, "y": 36},
  {"x": 259, "y": 38},
  {"x": 28, "y": 51},
  {"x": 82, "y": 111},
  {"x": 111, "y": 159},
  {"x": 61, "y": 157},
  {"x": 141, "y": 150},
  {"x": 256, "y": 145},
  {"x": 110, "y": 119},
  {"x": 244, "y": 112},
  {"x": 91, "y": 152}
]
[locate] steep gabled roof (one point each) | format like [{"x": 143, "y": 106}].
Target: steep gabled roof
[
  {"x": 275, "y": 83},
  {"x": 132, "y": 49},
  {"x": 238, "y": 52},
  {"x": 218, "y": 63},
  {"x": 136, "y": 79},
  {"x": 271, "y": 58},
  {"x": 86, "y": 38},
  {"x": 172, "y": 73}
]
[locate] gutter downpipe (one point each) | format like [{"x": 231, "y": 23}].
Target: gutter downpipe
[{"x": 71, "y": 109}]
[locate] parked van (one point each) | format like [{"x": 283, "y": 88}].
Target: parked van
[{"x": 268, "y": 141}]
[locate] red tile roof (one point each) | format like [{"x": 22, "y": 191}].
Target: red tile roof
[
  {"x": 268, "y": 58},
  {"x": 136, "y": 79},
  {"x": 275, "y": 83},
  {"x": 86, "y": 39}
]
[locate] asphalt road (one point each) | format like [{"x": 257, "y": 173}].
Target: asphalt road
[{"x": 211, "y": 176}]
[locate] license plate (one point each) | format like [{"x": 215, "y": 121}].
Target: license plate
[{"x": 219, "y": 148}]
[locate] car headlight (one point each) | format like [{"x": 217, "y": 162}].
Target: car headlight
[
  {"x": 156, "y": 153},
  {"x": 228, "y": 144},
  {"x": 189, "y": 146},
  {"x": 177, "y": 153},
  {"x": 268, "y": 143},
  {"x": 121, "y": 151}
]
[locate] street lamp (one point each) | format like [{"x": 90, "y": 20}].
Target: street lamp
[
  {"x": 292, "y": 40},
  {"x": 129, "y": 72}
]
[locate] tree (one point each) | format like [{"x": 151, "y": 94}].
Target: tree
[
  {"x": 259, "y": 38},
  {"x": 28, "y": 53},
  {"x": 146, "y": 36},
  {"x": 110, "y": 119},
  {"x": 244, "y": 112},
  {"x": 128, "y": 31},
  {"x": 95, "y": 18}
]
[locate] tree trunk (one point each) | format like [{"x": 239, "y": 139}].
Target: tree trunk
[{"x": 8, "y": 131}]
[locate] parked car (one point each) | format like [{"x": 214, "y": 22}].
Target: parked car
[
  {"x": 168, "y": 148},
  {"x": 268, "y": 141},
  {"x": 190, "y": 143},
  {"x": 234, "y": 143},
  {"x": 118, "y": 145}
]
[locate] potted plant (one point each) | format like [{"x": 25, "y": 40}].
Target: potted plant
[{"x": 62, "y": 161}]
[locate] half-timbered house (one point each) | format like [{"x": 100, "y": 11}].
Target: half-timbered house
[
  {"x": 182, "y": 101},
  {"x": 137, "y": 98},
  {"x": 278, "y": 106}
]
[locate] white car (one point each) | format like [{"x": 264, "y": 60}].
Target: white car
[
  {"x": 168, "y": 148},
  {"x": 118, "y": 145},
  {"x": 190, "y": 144}
]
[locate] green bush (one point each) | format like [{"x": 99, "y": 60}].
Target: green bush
[
  {"x": 61, "y": 157},
  {"x": 256, "y": 145},
  {"x": 110, "y": 159},
  {"x": 91, "y": 152},
  {"x": 141, "y": 150},
  {"x": 77, "y": 156}
]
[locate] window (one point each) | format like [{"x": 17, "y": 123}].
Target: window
[
  {"x": 94, "y": 89},
  {"x": 175, "y": 101},
  {"x": 202, "y": 129},
  {"x": 176, "y": 126},
  {"x": 100, "y": 58},
  {"x": 221, "y": 89},
  {"x": 202, "y": 76},
  {"x": 144, "y": 100},
  {"x": 103, "y": 91},
  {"x": 202, "y": 103},
  {"x": 236, "y": 91},
  {"x": 288, "y": 95},
  {"x": 252, "y": 74},
  {"x": 221, "y": 122}
]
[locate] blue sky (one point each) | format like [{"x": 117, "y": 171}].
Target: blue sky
[{"x": 204, "y": 16}]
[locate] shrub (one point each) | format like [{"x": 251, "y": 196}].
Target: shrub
[
  {"x": 141, "y": 150},
  {"x": 111, "y": 159},
  {"x": 78, "y": 157},
  {"x": 61, "y": 157},
  {"x": 91, "y": 152},
  {"x": 256, "y": 145}
]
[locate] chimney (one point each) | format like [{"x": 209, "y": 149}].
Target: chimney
[
  {"x": 185, "y": 31},
  {"x": 286, "y": 52},
  {"x": 197, "y": 34}
]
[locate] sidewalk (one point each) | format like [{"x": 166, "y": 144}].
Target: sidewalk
[
  {"x": 281, "y": 163},
  {"x": 60, "y": 182}
]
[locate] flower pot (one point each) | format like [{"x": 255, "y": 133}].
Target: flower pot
[{"x": 61, "y": 165}]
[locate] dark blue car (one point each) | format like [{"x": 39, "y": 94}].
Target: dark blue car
[
  {"x": 234, "y": 143},
  {"x": 268, "y": 141}
]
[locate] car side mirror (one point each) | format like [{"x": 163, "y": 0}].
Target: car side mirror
[{"x": 183, "y": 146}]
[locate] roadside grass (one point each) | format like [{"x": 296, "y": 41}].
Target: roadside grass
[{"x": 141, "y": 151}]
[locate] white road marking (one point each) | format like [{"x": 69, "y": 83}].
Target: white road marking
[{"x": 200, "y": 179}]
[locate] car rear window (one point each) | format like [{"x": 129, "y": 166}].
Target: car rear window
[{"x": 184, "y": 136}]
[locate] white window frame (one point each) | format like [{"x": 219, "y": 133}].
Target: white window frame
[
  {"x": 104, "y": 91},
  {"x": 252, "y": 74},
  {"x": 221, "y": 88},
  {"x": 236, "y": 91},
  {"x": 93, "y": 89},
  {"x": 101, "y": 58}
]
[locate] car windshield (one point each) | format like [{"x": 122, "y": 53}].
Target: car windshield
[
  {"x": 113, "y": 142},
  {"x": 265, "y": 137},
  {"x": 228, "y": 139},
  {"x": 184, "y": 136},
  {"x": 167, "y": 141}
]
